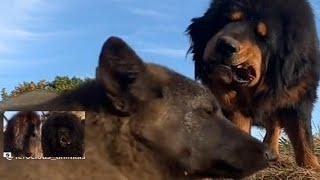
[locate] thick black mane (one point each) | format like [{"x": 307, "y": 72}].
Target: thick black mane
[
  {"x": 290, "y": 51},
  {"x": 50, "y": 143}
]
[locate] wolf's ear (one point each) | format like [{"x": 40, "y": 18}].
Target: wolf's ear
[{"x": 119, "y": 67}]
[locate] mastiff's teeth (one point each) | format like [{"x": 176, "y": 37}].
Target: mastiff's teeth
[{"x": 239, "y": 66}]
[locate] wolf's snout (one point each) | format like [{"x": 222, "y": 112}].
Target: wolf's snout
[{"x": 270, "y": 155}]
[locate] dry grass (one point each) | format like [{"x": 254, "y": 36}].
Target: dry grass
[{"x": 287, "y": 168}]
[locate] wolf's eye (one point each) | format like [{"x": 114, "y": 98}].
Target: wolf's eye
[
  {"x": 206, "y": 111},
  {"x": 158, "y": 92}
]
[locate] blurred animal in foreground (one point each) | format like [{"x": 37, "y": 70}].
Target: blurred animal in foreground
[{"x": 145, "y": 121}]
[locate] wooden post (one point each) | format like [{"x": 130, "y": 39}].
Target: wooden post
[{"x": 2, "y": 130}]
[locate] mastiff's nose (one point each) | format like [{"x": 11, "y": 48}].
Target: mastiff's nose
[{"x": 227, "y": 46}]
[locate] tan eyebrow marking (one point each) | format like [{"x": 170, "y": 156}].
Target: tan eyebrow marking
[
  {"x": 262, "y": 29},
  {"x": 236, "y": 16}
]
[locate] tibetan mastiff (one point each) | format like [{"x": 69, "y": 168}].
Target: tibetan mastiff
[
  {"x": 22, "y": 135},
  {"x": 261, "y": 60},
  {"x": 62, "y": 136}
]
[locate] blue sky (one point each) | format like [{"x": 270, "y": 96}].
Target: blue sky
[{"x": 40, "y": 39}]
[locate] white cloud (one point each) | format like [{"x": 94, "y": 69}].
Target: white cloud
[
  {"x": 176, "y": 53},
  {"x": 20, "y": 22},
  {"x": 8, "y": 65},
  {"x": 4, "y": 49},
  {"x": 148, "y": 13},
  {"x": 121, "y": 1},
  {"x": 11, "y": 62}
]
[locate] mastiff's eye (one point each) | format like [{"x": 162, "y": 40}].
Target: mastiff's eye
[
  {"x": 236, "y": 16},
  {"x": 262, "y": 29}
]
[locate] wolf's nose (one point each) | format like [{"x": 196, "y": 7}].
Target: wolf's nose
[{"x": 270, "y": 155}]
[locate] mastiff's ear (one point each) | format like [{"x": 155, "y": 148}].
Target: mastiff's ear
[
  {"x": 199, "y": 34},
  {"x": 200, "y": 31},
  {"x": 119, "y": 67}
]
